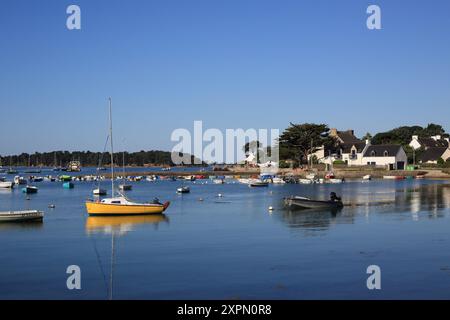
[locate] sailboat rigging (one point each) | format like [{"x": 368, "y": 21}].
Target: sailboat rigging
[{"x": 121, "y": 205}]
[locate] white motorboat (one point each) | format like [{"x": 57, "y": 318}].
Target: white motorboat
[
  {"x": 305, "y": 181},
  {"x": 6, "y": 184},
  {"x": 367, "y": 177}
]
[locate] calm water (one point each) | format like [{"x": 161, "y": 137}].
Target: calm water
[{"x": 232, "y": 247}]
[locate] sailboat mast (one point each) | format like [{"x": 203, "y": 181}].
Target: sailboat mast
[{"x": 112, "y": 148}]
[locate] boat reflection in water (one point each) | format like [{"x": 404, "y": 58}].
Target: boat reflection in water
[
  {"x": 117, "y": 226},
  {"x": 428, "y": 201},
  {"x": 120, "y": 225}
]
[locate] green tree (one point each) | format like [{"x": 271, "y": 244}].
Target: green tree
[{"x": 298, "y": 141}]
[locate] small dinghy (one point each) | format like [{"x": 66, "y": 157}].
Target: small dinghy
[
  {"x": 125, "y": 187},
  {"x": 183, "y": 190},
  {"x": 307, "y": 203},
  {"x": 99, "y": 192},
  {"x": 30, "y": 189},
  {"x": 68, "y": 185},
  {"x": 18, "y": 216},
  {"x": 367, "y": 177}
]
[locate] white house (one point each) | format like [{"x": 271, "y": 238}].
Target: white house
[
  {"x": 390, "y": 156},
  {"x": 431, "y": 142}
]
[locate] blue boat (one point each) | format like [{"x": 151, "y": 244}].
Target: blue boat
[{"x": 68, "y": 185}]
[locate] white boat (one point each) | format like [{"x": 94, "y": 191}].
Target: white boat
[
  {"x": 367, "y": 177},
  {"x": 311, "y": 176},
  {"x": 7, "y": 185},
  {"x": 244, "y": 181},
  {"x": 277, "y": 180},
  {"x": 336, "y": 180},
  {"x": 20, "y": 180},
  {"x": 99, "y": 192},
  {"x": 258, "y": 183},
  {"x": 218, "y": 181},
  {"x": 16, "y": 216},
  {"x": 183, "y": 190},
  {"x": 305, "y": 181}
]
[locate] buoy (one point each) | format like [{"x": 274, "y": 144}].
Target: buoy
[
  {"x": 200, "y": 199},
  {"x": 219, "y": 195}
]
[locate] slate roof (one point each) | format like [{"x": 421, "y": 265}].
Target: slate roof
[
  {"x": 432, "y": 154},
  {"x": 431, "y": 143},
  {"x": 347, "y": 147},
  {"x": 348, "y": 137},
  {"x": 379, "y": 149}
]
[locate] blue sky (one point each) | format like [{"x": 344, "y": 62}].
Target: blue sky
[{"x": 230, "y": 63}]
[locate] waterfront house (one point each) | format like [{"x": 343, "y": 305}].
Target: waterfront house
[
  {"x": 436, "y": 141},
  {"x": 347, "y": 148},
  {"x": 390, "y": 156},
  {"x": 433, "y": 154}
]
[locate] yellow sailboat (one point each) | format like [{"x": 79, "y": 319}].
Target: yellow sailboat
[{"x": 120, "y": 205}]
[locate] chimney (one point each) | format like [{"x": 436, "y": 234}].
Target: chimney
[
  {"x": 351, "y": 131},
  {"x": 367, "y": 142}
]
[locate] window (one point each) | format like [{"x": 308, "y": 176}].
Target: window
[
  {"x": 373, "y": 153},
  {"x": 116, "y": 201},
  {"x": 386, "y": 154}
]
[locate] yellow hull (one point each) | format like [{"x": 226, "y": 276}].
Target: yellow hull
[{"x": 96, "y": 208}]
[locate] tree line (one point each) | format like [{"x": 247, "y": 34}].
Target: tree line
[{"x": 88, "y": 158}]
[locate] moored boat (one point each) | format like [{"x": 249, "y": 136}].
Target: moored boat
[
  {"x": 65, "y": 178},
  {"x": 123, "y": 206},
  {"x": 125, "y": 187},
  {"x": 307, "y": 203},
  {"x": 6, "y": 184},
  {"x": 120, "y": 205},
  {"x": 183, "y": 190},
  {"x": 20, "y": 180},
  {"x": 99, "y": 192},
  {"x": 335, "y": 180},
  {"x": 258, "y": 184},
  {"x": 305, "y": 181},
  {"x": 68, "y": 185},
  {"x": 29, "y": 189},
  {"x": 18, "y": 216}
]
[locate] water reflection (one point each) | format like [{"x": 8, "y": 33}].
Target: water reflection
[
  {"x": 121, "y": 224},
  {"x": 418, "y": 201},
  {"x": 23, "y": 225},
  {"x": 309, "y": 218}
]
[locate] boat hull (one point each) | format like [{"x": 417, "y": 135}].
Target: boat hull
[
  {"x": 7, "y": 185},
  {"x": 97, "y": 208},
  {"x": 18, "y": 216},
  {"x": 312, "y": 204}
]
